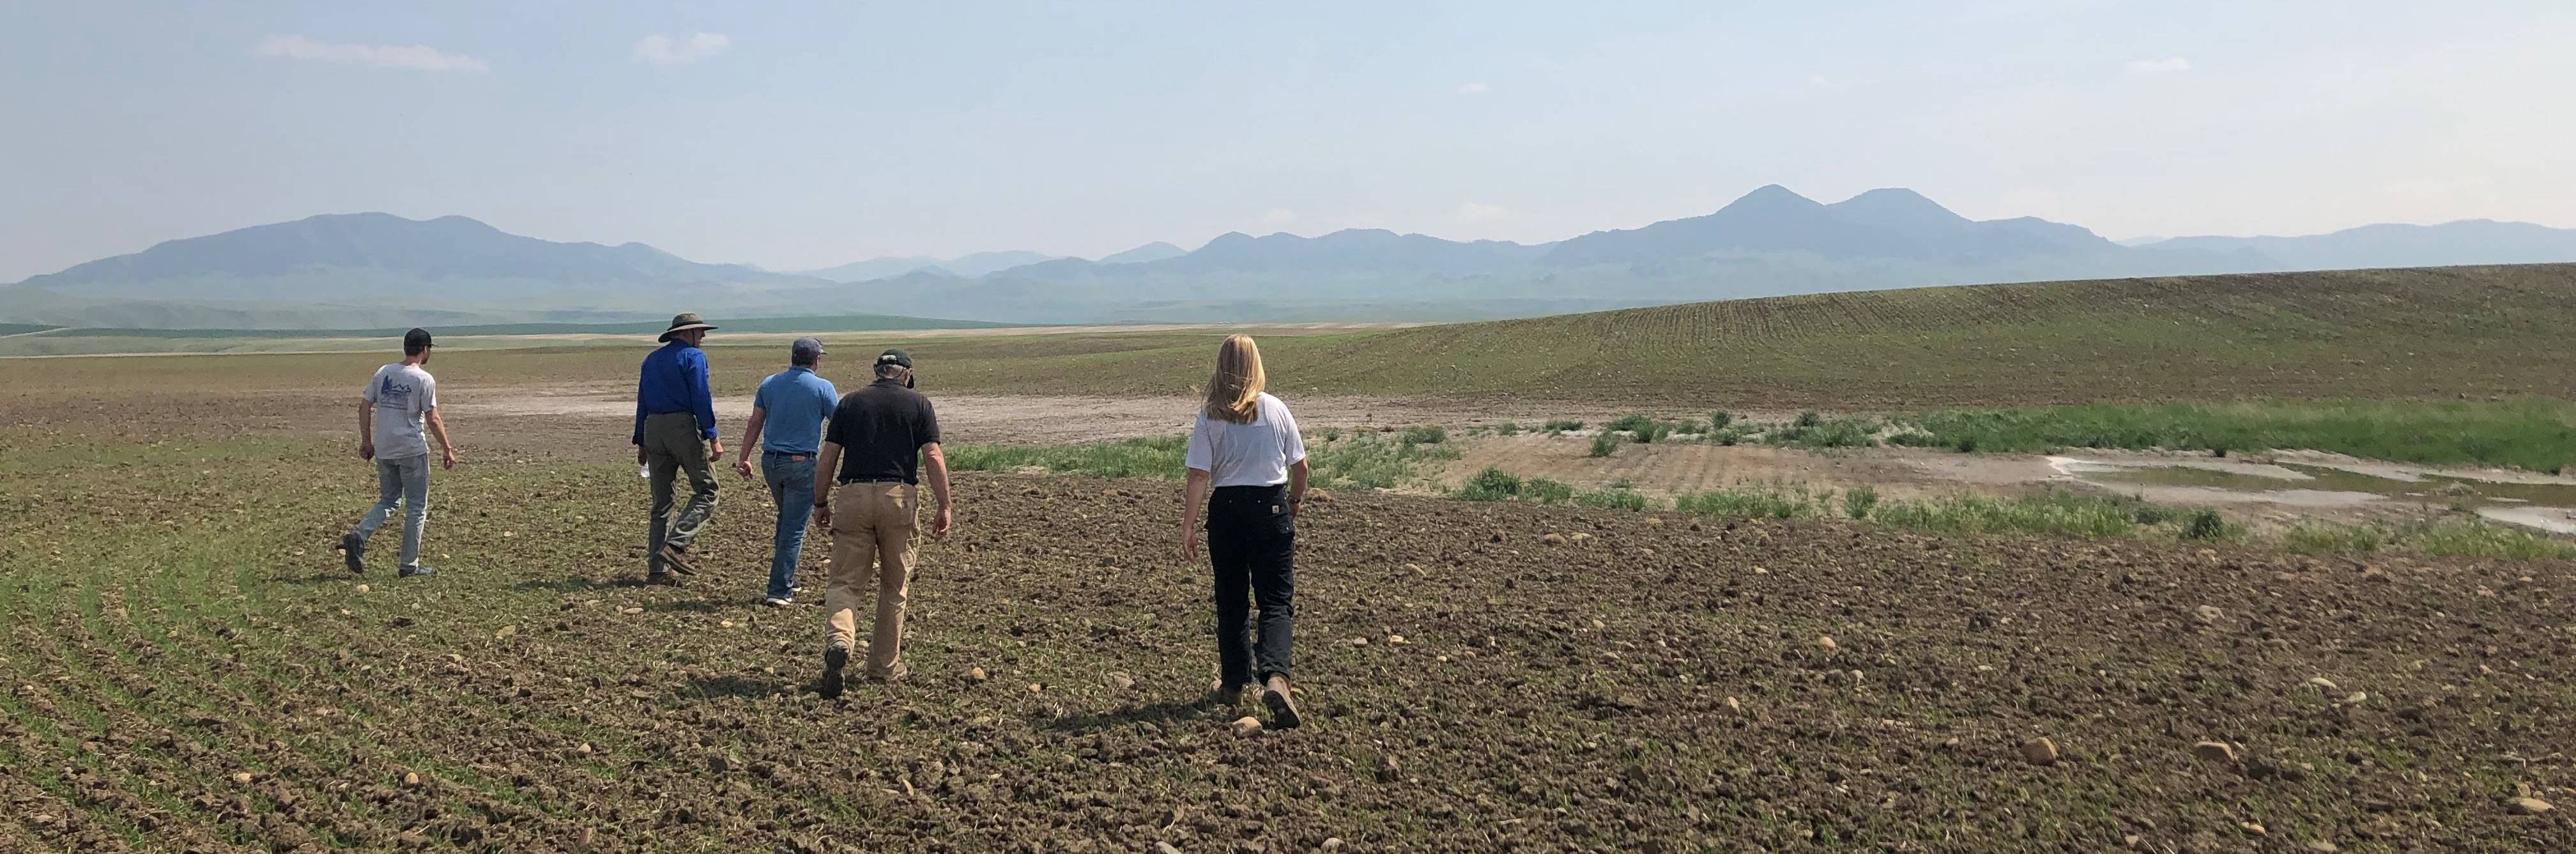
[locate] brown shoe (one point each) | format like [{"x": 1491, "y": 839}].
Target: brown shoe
[
  {"x": 676, "y": 559},
  {"x": 1283, "y": 708},
  {"x": 890, "y": 674},
  {"x": 662, "y": 579},
  {"x": 1225, "y": 695}
]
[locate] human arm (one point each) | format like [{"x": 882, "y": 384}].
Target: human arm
[
  {"x": 366, "y": 429},
  {"x": 825, "y": 464},
  {"x": 750, "y": 439},
  {"x": 438, "y": 428},
  {"x": 702, "y": 397},
  {"x": 1193, "y": 497},
  {"x": 1296, "y": 487},
  {"x": 936, "y": 464}
]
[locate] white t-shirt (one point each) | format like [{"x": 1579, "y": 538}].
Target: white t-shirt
[
  {"x": 1255, "y": 454},
  {"x": 402, "y": 394}
]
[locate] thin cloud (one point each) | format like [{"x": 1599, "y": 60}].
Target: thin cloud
[
  {"x": 1474, "y": 89},
  {"x": 1480, "y": 212},
  {"x": 2167, "y": 65},
  {"x": 660, "y": 49},
  {"x": 413, "y": 57}
]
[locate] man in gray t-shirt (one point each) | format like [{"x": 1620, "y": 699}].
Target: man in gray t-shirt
[{"x": 398, "y": 402}]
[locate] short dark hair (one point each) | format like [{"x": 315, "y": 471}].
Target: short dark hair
[{"x": 415, "y": 342}]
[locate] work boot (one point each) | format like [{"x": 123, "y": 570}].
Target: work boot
[
  {"x": 1224, "y": 695},
  {"x": 834, "y": 659},
  {"x": 676, "y": 559},
  {"x": 1283, "y": 708},
  {"x": 662, "y": 579},
  {"x": 353, "y": 551},
  {"x": 890, "y": 674}
]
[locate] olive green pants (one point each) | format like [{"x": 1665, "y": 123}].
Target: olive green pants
[{"x": 673, "y": 444}]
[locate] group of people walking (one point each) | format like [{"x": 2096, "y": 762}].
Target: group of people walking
[{"x": 854, "y": 464}]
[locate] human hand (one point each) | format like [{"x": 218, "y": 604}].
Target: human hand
[
  {"x": 715, "y": 450},
  {"x": 939, "y": 524},
  {"x": 823, "y": 516},
  {"x": 450, "y": 460},
  {"x": 366, "y": 450},
  {"x": 1189, "y": 544},
  {"x": 743, "y": 467}
]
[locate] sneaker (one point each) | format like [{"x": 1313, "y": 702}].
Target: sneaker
[
  {"x": 834, "y": 659},
  {"x": 676, "y": 559},
  {"x": 420, "y": 571},
  {"x": 779, "y": 601},
  {"x": 353, "y": 551},
  {"x": 1283, "y": 708}
]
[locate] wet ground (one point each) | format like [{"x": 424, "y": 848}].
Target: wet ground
[{"x": 2521, "y": 498}]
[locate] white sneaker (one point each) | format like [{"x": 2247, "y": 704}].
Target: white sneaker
[{"x": 779, "y": 602}]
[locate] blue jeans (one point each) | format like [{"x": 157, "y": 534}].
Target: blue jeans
[
  {"x": 406, "y": 481},
  {"x": 791, "y": 484}
]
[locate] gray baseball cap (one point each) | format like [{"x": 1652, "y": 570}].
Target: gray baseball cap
[{"x": 805, "y": 350}]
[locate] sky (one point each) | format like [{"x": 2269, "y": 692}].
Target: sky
[{"x": 798, "y": 135}]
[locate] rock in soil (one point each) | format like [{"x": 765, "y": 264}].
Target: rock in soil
[
  {"x": 2214, "y": 751},
  {"x": 2039, "y": 751},
  {"x": 2528, "y": 806},
  {"x": 1247, "y": 725}
]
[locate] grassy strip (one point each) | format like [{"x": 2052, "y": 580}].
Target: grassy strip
[
  {"x": 2474, "y": 539},
  {"x": 1336, "y": 460},
  {"x": 2533, "y": 433}
]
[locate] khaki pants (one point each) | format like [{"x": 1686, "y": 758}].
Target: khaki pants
[{"x": 873, "y": 533}]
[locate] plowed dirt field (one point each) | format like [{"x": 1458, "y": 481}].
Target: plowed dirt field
[{"x": 184, "y": 665}]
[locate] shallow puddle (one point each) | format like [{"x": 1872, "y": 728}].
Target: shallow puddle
[{"x": 2537, "y": 505}]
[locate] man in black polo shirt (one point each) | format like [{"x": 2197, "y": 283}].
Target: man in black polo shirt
[{"x": 868, "y": 494}]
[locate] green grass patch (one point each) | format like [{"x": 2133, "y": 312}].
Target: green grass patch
[
  {"x": 2536, "y": 434},
  {"x": 1333, "y": 459},
  {"x": 2054, "y": 512},
  {"x": 1761, "y": 502},
  {"x": 1605, "y": 444}
]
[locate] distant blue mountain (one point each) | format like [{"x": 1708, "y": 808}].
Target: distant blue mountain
[
  {"x": 2468, "y": 241},
  {"x": 1771, "y": 241}
]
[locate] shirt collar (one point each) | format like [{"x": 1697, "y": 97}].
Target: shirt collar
[{"x": 799, "y": 369}]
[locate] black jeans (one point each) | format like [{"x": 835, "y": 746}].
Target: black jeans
[{"x": 1252, "y": 541}]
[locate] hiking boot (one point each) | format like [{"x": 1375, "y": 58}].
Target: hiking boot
[
  {"x": 662, "y": 579},
  {"x": 834, "y": 659},
  {"x": 1283, "y": 708},
  {"x": 1225, "y": 695},
  {"x": 353, "y": 551},
  {"x": 416, "y": 571},
  {"x": 676, "y": 559}
]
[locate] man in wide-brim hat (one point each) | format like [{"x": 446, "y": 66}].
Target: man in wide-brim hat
[{"x": 675, "y": 431}]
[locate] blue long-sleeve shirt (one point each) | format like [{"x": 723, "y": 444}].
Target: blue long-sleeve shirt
[{"x": 675, "y": 380}]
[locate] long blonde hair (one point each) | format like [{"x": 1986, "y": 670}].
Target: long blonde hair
[{"x": 1234, "y": 391}]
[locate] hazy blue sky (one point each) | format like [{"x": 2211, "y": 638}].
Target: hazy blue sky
[{"x": 797, "y": 135}]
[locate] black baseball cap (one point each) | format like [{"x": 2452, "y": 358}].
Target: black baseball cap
[
  {"x": 416, "y": 340},
  {"x": 897, "y": 358}
]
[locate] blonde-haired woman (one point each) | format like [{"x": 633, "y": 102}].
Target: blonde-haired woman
[{"x": 1245, "y": 446}]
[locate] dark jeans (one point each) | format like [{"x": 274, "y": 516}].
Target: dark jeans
[{"x": 1252, "y": 542}]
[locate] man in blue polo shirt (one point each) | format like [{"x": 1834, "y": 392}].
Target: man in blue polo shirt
[
  {"x": 791, "y": 406},
  {"x": 675, "y": 431}
]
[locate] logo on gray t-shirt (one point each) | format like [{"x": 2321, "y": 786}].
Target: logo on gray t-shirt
[{"x": 403, "y": 394}]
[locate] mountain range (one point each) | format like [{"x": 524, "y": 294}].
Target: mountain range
[{"x": 372, "y": 268}]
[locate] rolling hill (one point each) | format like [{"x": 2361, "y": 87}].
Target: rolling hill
[{"x": 2438, "y": 333}]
